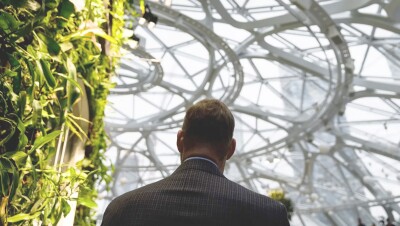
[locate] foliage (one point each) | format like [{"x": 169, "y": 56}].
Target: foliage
[
  {"x": 45, "y": 48},
  {"x": 279, "y": 195}
]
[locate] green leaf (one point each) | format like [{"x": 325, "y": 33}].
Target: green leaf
[
  {"x": 24, "y": 30},
  {"x": 33, "y": 79},
  {"x": 31, "y": 50},
  {"x": 39, "y": 142},
  {"x": 13, "y": 61},
  {"x": 87, "y": 201},
  {"x": 66, "y": 9},
  {"x": 19, "y": 139},
  {"x": 23, "y": 141},
  {"x": 37, "y": 113},
  {"x": 19, "y": 157},
  {"x": 96, "y": 31},
  {"x": 20, "y": 124},
  {"x": 71, "y": 69},
  {"x": 65, "y": 207},
  {"x": 15, "y": 182},
  {"x": 74, "y": 94},
  {"x": 5, "y": 164},
  {"x": 66, "y": 46},
  {"x": 22, "y": 103},
  {"x": 51, "y": 82},
  {"x": 71, "y": 80},
  {"x": 7, "y": 129},
  {"x": 23, "y": 216},
  {"x": 39, "y": 76},
  {"x": 52, "y": 46},
  {"x": 74, "y": 90},
  {"x": 40, "y": 205},
  {"x": 5, "y": 168},
  {"x": 51, "y": 4},
  {"x": 16, "y": 67},
  {"x": 8, "y": 23},
  {"x": 12, "y": 144},
  {"x": 74, "y": 127},
  {"x": 4, "y": 181}
]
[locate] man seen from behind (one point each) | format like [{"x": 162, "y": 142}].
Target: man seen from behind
[{"x": 198, "y": 193}]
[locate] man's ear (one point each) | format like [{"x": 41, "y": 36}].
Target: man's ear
[
  {"x": 179, "y": 141},
  {"x": 231, "y": 149}
]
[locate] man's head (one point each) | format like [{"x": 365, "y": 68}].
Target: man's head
[{"x": 209, "y": 125}]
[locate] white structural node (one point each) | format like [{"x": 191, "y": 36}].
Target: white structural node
[{"x": 314, "y": 86}]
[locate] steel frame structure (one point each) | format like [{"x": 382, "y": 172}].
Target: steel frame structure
[{"x": 314, "y": 86}]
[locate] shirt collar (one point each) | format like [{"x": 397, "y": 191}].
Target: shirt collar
[{"x": 202, "y": 158}]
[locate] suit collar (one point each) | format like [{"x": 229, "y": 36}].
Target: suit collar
[
  {"x": 202, "y": 158},
  {"x": 199, "y": 164}
]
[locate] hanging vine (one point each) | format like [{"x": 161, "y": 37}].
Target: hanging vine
[{"x": 46, "y": 47}]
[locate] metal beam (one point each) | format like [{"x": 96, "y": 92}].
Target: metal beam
[{"x": 392, "y": 86}]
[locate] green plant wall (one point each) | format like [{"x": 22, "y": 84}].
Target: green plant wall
[{"x": 46, "y": 47}]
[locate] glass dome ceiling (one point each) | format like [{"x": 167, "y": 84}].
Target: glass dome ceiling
[{"x": 314, "y": 87}]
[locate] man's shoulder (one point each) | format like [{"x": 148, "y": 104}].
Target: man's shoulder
[
  {"x": 260, "y": 207},
  {"x": 148, "y": 188},
  {"x": 242, "y": 189},
  {"x": 251, "y": 197},
  {"x": 138, "y": 193}
]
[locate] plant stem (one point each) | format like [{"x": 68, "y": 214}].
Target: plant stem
[{"x": 3, "y": 210}]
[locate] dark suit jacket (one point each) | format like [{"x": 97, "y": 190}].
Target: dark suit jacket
[{"x": 197, "y": 193}]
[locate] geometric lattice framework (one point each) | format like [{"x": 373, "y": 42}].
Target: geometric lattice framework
[{"x": 314, "y": 87}]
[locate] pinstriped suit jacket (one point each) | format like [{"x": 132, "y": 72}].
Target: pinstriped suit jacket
[{"x": 197, "y": 193}]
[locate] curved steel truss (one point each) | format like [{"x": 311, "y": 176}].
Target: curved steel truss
[{"x": 314, "y": 87}]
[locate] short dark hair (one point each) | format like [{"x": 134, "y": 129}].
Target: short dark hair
[{"x": 208, "y": 122}]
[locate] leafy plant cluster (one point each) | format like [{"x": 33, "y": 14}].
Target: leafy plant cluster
[
  {"x": 46, "y": 48},
  {"x": 279, "y": 195}
]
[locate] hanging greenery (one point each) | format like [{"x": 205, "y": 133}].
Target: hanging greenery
[{"x": 46, "y": 48}]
